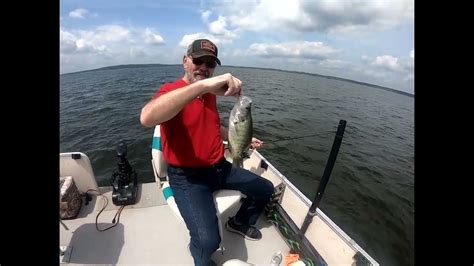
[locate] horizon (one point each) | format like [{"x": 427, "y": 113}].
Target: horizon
[
  {"x": 366, "y": 42},
  {"x": 262, "y": 68}
]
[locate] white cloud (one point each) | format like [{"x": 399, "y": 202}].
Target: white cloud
[
  {"x": 107, "y": 45},
  {"x": 334, "y": 63},
  {"x": 218, "y": 31},
  {"x": 386, "y": 61},
  {"x": 365, "y": 58},
  {"x": 383, "y": 70},
  {"x": 218, "y": 27},
  {"x": 265, "y": 14},
  {"x": 389, "y": 63},
  {"x": 406, "y": 64},
  {"x": 362, "y": 71},
  {"x": 348, "y": 16},
  {"x": 303, "y": 49},
  {"x": 78, "y": 13},
  {"x": 81, "y": 13},
  {"x": 136, "y": 52},
  {"x": 205, "y": 15},
  {"x": 409, "y": 78},
  {"x": 187, "y": 39},
  {"x": 111, "y": 33},
  {"x": 67, "y": 41},
  {"x": 151, "y": 37},
  {"x": 412, "y": 54}
]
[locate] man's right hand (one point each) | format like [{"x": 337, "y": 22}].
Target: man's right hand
[{"x": 223, "y": 85}]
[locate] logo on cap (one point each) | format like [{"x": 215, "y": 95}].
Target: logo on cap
[{"x": 208, "y": 46}]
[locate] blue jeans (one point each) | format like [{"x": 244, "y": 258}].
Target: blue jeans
[{"x": 193, "y": 188}]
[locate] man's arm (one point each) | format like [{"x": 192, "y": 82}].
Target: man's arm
[{"x": 168, "y": 105}]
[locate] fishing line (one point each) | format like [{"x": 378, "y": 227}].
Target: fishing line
[{"x": 289, "y": 139}]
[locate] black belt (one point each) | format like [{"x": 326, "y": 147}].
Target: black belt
[{"x": 217, "y": 165}]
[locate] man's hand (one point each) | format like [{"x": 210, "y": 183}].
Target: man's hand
[
  {"x": 256, "y": 143},
  {"x": 223, "y": 85}
]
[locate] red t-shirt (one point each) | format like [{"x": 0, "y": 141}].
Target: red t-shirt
[{"x": 193, "y": 137}]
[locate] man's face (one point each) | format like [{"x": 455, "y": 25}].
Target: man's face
[{"x": 199, "y": 68}]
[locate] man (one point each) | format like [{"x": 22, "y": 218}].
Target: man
[{"x": 192, "y": 145}]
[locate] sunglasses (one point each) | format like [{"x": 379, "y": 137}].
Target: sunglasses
[{"x": 209, "y": 64}]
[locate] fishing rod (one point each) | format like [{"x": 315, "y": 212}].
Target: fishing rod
[
  {"x": 293, "y": 236},
  {"x": 327, "y": 172}
]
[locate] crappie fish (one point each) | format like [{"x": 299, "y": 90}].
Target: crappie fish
[{"x": 240, "y": 130}]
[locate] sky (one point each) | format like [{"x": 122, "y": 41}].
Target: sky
[{"x": 368, "y": 41}]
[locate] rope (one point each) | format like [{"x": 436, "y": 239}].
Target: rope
[{"x": 290, "y": 238}]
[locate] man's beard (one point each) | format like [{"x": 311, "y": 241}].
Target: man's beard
[{"x": 198, "y": 75}]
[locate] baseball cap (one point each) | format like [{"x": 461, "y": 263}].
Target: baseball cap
[{"x": 203, "y": 47}]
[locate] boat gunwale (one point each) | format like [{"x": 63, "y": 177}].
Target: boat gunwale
[{"x": 351, "y": 242}]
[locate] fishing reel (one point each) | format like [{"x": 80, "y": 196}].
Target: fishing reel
[{"x": 124, "y": 181}]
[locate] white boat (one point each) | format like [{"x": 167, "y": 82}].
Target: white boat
[{"x": 151, "y": 231}]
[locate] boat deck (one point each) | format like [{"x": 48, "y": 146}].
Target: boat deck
[{"x": 150, "y": 233}]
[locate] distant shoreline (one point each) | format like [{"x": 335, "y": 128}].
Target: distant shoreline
[{"x": 260, "y": 68}]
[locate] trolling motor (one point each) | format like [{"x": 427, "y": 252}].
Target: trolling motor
[{"x": 124, "y": 181}]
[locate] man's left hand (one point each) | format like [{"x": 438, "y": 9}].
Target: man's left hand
[{"x": 256, "y": 143}]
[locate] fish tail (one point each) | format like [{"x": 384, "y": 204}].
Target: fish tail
[{"x": 238, "y": 162}]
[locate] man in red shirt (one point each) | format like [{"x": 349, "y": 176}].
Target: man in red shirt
[{"x": 192, "y": 145}]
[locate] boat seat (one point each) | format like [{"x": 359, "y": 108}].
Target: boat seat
[{"x": 224, "y": 199}]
